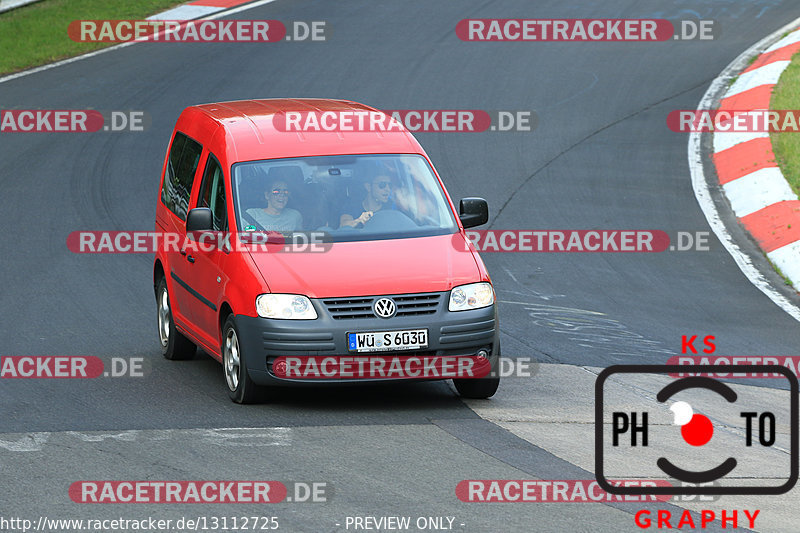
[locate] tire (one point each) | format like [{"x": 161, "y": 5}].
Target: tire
[
  {"x": 174, "y": 345},
  {"x": 479, "y": 389},
  {"x": 241, "y": 388}
]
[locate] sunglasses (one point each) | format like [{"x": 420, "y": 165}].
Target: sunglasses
[
  {"x": 276, "y": 192},
  {"x": 383, "y": 184}
]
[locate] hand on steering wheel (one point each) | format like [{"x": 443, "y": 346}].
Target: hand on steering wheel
[{"x": 365, "y": 216}]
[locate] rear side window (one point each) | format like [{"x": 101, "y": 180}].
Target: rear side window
[
  {"x": 184, "y": 154},
  {"x": 212, "y": 193}
]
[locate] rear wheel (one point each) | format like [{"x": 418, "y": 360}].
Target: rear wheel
[
  {"x": 241, "y": 388},
  {"x": 173, "y": 344}
]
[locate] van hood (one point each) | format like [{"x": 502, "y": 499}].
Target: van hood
[{"x": 365, "y": 268}]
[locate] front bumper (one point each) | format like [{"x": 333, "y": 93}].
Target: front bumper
[{"x": 262, "y": 340}]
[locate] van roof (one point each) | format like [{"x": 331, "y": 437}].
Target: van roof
[{"x": 250, "y": 133}]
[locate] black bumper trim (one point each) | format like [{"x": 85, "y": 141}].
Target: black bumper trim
[{"x": 193, "y": 292}]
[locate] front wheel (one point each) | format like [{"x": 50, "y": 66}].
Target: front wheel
[
  {"x": 480, "y": 388},
  {"x": 241, "y": 388},
  {"x": 173, "y": 344}
]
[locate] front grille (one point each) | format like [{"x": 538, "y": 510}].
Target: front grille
[{"x": 361, "y": 306}]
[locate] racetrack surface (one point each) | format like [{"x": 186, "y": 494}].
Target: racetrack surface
[{"x": 601, "y": 157}]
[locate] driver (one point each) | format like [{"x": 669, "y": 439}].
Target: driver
[{"x": 378, "y": 195}]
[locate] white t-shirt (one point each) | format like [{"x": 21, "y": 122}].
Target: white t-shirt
[{"x": 289, "y": 219}]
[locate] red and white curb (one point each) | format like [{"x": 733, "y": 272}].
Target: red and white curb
[
  {"x": 198, "y": 9},
  {"x": 190, "y": 11},
  {"x": 757, "y": 190},
  {"x": 762, "y": 196}
]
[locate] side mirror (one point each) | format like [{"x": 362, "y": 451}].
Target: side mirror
[
  {"x": 473, "y": 212},
  {"x": 199, "y": 219}
]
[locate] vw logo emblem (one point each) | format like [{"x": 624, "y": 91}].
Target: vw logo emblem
[{"x": 384, "y": 308}]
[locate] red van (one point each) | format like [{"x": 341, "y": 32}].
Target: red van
[{"x": 395, "y": 290}]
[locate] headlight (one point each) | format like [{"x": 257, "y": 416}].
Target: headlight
[
  {"x": 286, "y": 306},
  {"x": 472, "y": 296}
]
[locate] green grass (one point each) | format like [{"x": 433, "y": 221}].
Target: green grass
[
  {"x": 786, "y": 146},
  {"x": 37, "y": 34},
  {"x": 786, "y": 280}
]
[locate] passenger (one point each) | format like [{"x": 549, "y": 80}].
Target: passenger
[
  {"x": 276, "y": 216},
  {"x": 378, "y": 195}
]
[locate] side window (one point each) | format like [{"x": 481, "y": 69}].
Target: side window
[
  {"x": 184, "y": 154},
  {"x": 212, "y": 193}
]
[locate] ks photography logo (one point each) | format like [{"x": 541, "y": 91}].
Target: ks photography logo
[{"x": 698, "y": 431}]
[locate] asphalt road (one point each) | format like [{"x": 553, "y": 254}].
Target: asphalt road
[{"x": 601, "y": 157}]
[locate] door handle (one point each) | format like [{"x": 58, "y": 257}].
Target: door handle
[
  {"x": 183, "y": 252},
  {"x": 190, "y": 259}
]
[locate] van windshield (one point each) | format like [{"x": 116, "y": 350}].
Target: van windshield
[{"x": 350, "y": 197}]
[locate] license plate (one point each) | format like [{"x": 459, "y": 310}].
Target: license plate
[{"x": 380, "y": 341}]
